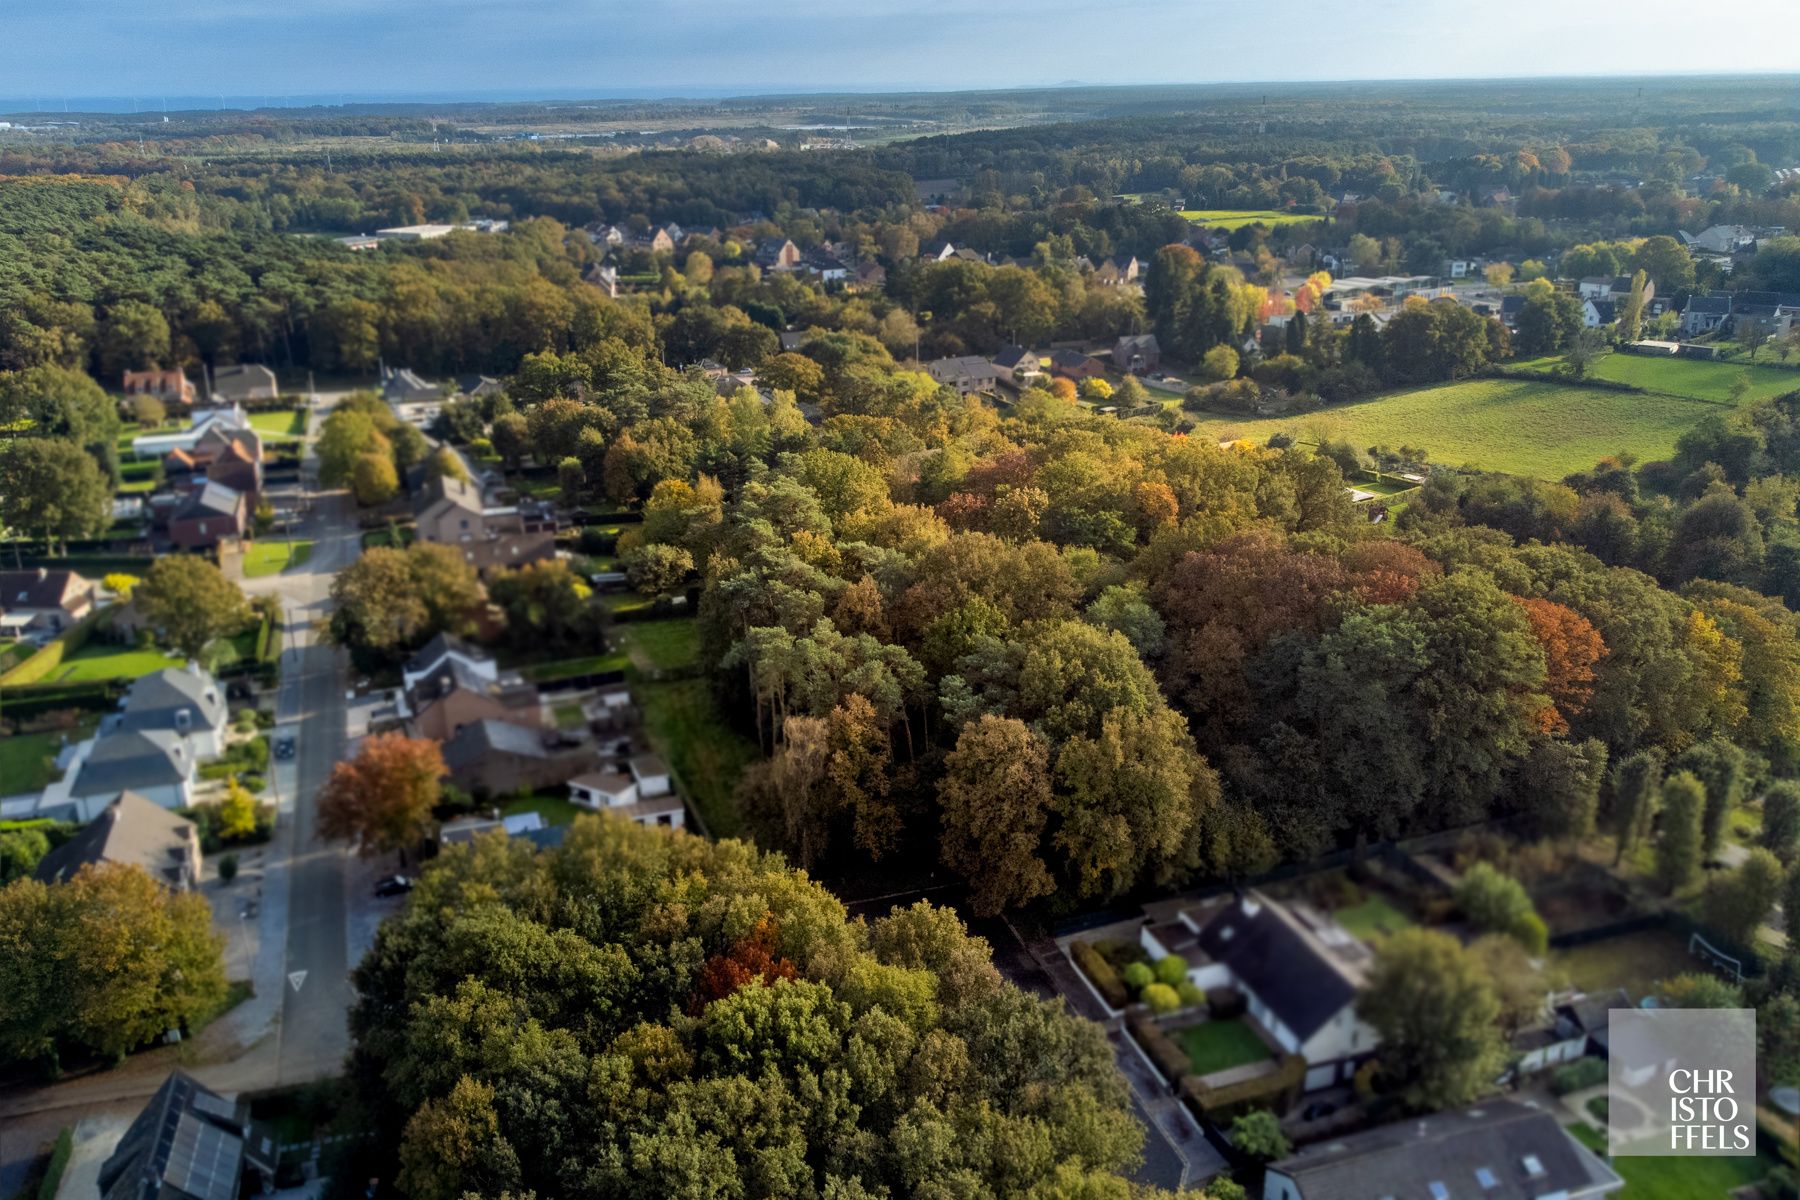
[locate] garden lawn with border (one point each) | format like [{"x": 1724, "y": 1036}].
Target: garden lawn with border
[
  {"x": 569, "y": 668},
  {"x": 1695, "y": 377},
  {"x": 26, "y": 762},
  {"x": 104, "y": 660},
  {"x": 1220, "y": 1045},
  {"x": 271, "y": 557},
  {"x": 1546, "y": 430},
  {"x": 279, "y": 425},
  {"x": 1675, "y": 1178},
  {"x": 1372, "y": 918}
]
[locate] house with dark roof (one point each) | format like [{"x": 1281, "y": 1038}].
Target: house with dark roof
[
  {"x": 967, "y": 374},
  {"x": 1595, "y": 313},
  {"x": 136, "y": 832},
  {"x": 158, "y": 764},
  {"x": 1298, "y": 970},
  {"x": 1018, "y": 366},
  {"x": 938, "y": 252},
  {"x": 243, "y": 383},
  {"x": 182, "y": 700},
  {"x": 1074, "y": 365},
  {"x": 1136, "y": 354},
  {"x": 1510, "y": 308},
  {"x": 1704, "y": 314},
  {"x": 40, "y": 602},
  {"x": 778, "y": 254},
  {"x": 402, "y": 385},
  {"x": 1120, "y": 269},
  {"x": 208, "y": 515},
  {"x": 492, "y": 758},
  {"x": 869, "y": 276},
  {"x": 1498, "y": 1150},
  {"x": 189, "y": 1143}
]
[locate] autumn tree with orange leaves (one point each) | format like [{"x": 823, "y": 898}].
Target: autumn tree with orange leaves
[
  {"x": 751, "y": 959},
  {"x": 382, "y": 799},
  {"x": 1572, "y": 648}
]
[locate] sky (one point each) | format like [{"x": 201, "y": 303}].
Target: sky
[{"x": 52, "y": 50}]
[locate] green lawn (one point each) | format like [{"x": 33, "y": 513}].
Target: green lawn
[
  {"x": 669, "y": 645},
  {"x": 1373, "y": 918},
  {"x": 1693, "y": 377},
  {"x": 388, "y": 536},
  {"x": 25, "y": 761},
  {"x": 100, "y": 660},
  {"x": 556, "y": 809},
  {"x": 618, "y": 602},
  {"x": 1635, "y": 962},
  {"x": 1220, "y": 1045},
  {"x": 568, "y": 668},
  {"x": 569, "y": 716},
  {"x": 1230, "y": 218},
  {"x": 1655, "y": 1178},
  {"x": 1547, "y": 429},
  {"x": 281, "y": 425},
  {"x": 685, "y": 725},
  {"x": 273, "y": 557}
]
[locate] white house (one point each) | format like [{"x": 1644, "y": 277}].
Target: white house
[
  {"x": 1299, "y": 972},
  {"x": 643, "y": 796},
  {"x": 437, "y": 651},
  {"x": 156, "y": 445},
  {"x": 157, "y": 764}
]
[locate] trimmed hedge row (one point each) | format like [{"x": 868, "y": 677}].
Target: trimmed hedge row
[
  {"x": 1169, "y": 1058},
  {"x": 1277, "y": 1090},
  {"x": 1106, "y": 980},
  {"x": 34, "y": 700},
  {"x": 52, "y": 656}
]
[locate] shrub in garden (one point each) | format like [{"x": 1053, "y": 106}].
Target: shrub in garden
[
  {"x": 228, "y": 868},
  {"x": 1105, "y": 979},
  {"x": 1580, "y": 1074},
  {"x": 1171, "y": 969},
  {"x": 1224, "y": 1003},
  {"x": 1190, "y": 993},
  {"x": 1161, "y": 998},
  {"x": 1138, "y": 975}
]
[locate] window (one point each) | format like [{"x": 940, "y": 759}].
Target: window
[
  {"x": 1486, "y": 1179},
  {"x": 1533, "y": 1167},
  {"x": 1438, "y": 1191}
]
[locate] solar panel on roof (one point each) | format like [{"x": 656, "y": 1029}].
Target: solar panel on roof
[{"x": 205, "y": 1161}]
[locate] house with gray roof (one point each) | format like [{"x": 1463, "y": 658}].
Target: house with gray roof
[
  {"x": 158, "y": 764},
  {"x": 183, "y": 700},
  {"x": 243, "y": 382},
  {"x": 136, "y": 832},
  {"x": 968, "y": 373},
  {"x": 1497, "y": 1150}
]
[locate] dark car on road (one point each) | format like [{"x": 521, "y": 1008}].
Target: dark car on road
[
  {"x": 393, "y": 885},
  {"x": 284, "y": 748}
]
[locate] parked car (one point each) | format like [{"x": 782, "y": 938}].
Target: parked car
[
  {"x": 393, "y": 885},
  {"x": 284, "y": 747},
  {"x": 1313, "y": 1112}
]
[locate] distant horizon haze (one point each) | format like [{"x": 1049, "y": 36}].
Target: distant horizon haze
[{"x": 305, "y": 52}]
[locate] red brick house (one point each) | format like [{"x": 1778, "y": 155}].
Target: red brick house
[{"x": 171, "y": 387}]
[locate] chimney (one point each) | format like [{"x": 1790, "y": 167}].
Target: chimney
[
  {"x": 43, "y": 573},
  {"x": 184, "y": 720}
]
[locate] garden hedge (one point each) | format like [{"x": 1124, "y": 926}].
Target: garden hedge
[
  {"x": 1276, "y": 1090},
  {"x": 1169, "y": 1058},
  {"x": 1106, "y": 980}
]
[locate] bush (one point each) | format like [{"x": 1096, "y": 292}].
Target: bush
[
  {"x": 1190, "y": 993},
  {"x": 1275, "y": 1090},
  {"x": 1169, "y": 1058},
  {"x": 1224, "y": 1003},
  {"x": 1580, "y": 1074},
  {"x": 1100, "y": 973},
  {"x": 59, "y": 1162},
  {"x": 1171, "y": 969},
  {"x": 228, "y": 868},
  {"x": 1161, "y": 998},
  {"x": 1138, "y": 975}
]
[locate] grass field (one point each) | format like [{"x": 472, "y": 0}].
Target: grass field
[
  {"x": 671, "y": 645},
  {"x": 1675, "y": 1178},
  {"x": 273, "y": 557},
  {"x": 1228, "y": 218},
  {"x": 685, "y": 724},
  {"x": 281, "y": 425},
  {"x": 1693, "y": 377},
  {"x": 569, "y": 668},
  {"x": 1635, "y": 962},
  {"x": 1546, "y": 430},
  {"x": 1220, "y": 1045},
  {"x": 1373, "y": 918},
  {"x": 98, "y": 660}
]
